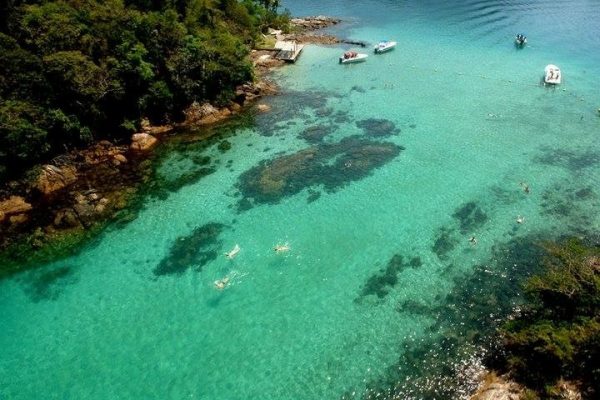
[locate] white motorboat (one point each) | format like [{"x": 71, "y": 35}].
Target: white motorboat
[
  {"x": 352, "y": 57},
  {"x": 384, "y": 45},
  {"x": 552, "y": 74}
]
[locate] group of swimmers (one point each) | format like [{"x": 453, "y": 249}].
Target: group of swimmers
[{"x": 222, "y": 283}]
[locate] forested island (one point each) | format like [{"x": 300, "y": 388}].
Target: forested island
[{"x": 75, "y": 72}]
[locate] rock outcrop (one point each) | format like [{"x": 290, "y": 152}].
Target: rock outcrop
[
  {"x": 263, "y": 107},
  {"x": 204, "y": 114},
  {"x": 496, "y": 387},
  {"x": 155, "y": 130},
  {"x": 52, "y": 178},
  {"x": 102, "y": 152},
  {"x": 501, "y": 387},
  {"x": 14, "y": 209},
  {"x": 313, "y": 23},
  {"x": 142, "y": 142}
]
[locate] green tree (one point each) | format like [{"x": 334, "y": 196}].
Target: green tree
[
  {"x": 73, "y": 70},
  {"x": 21, "y": 72},
  {"x": 77, "y": 83},
  {"x": 558, "y": 335},
  {"x": 23, "y": 135}
]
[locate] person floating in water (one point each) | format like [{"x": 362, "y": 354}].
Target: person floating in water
[
  {"x": 525, "y": 187},
  {"x": 221, "y": 284},
  {"x": 231, "y": 254},
  {"x": 473, "y": 240},
  {"x": 281, "y": 248}
]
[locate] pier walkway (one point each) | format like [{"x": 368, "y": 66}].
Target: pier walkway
[{"x": 288, "y": 51}]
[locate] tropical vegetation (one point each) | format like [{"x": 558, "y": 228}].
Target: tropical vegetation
[
  {"x": 75, "y": 71},
  {"x": 557, "y": 337}
]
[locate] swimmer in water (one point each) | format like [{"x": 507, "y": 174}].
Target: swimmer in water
[
  {"x": 520, "y": 219},
  {"x": 281, "y": 248},
  {"x": 231, "y": 254},
  {"x": 525, "y": 187},
  {"x": 221, "y": 284},
  {"x": 473, "y": 240}
]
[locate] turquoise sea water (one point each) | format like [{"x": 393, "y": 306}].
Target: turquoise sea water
[{"x": 376, "y": 175}]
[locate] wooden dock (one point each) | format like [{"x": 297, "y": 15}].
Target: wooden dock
[{"x": 288, "y": 51}]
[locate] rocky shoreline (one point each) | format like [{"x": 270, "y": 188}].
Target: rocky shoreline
[
  {"x": 82, "y": 190},
  {"x": 495, "y": 386}
]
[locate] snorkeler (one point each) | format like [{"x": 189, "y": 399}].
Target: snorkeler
[
  {"x": 231, "y": 254},
  {"x": 281, "y": 248},
  {"x": 221, "y": 284}
]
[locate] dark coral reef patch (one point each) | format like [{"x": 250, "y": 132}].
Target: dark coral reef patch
[
  {"x": 384, "y": 280},
  {"x": 48, "y": 284},
  {"x": 376, "y": 127},
  {"x": 470, "y": 217},
  {"x": 445, "y": 242},
  {"x": 331, "y": 166},
  {"x": 192, "y": 251},
  {"x": 572, "y": 160},
  {"x": 462, "y": 323},
  {"x": 566, "y": 205},
  {"x": 316, "y": 133},
  {"x": 303, "y": 105}
]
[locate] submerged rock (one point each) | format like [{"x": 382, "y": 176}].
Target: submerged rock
[
  {"x": 192, "y": 251},
  {"x": 378, "y": 127},
  {"x": 573, "y": 160},
  {"x": 328, "y": 165},
  {"x": 315, "y": 134},
  {"x": 224, "y": 146},
  {"x": 444, "y": 243},
  {"x": 382, "y": 282},
  {"x": 263, "y": 107},
  {"x": 470, "y": 217},
  {"x": 48, "y": 284}
]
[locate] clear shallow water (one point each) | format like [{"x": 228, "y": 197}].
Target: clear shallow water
[{"x": 337, "y": 314}]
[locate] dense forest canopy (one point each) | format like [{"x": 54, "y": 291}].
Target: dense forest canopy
[
  {"x": 558, "y": 334},
  {"x": 72, "y": 71}
]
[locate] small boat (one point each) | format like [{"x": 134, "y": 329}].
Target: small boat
[
  {"x": 552, "y": 74},
  {"x": 384, "y": 45},
  {"x": 352, "y": 57},
  {"x": 520, "y": 40}
]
